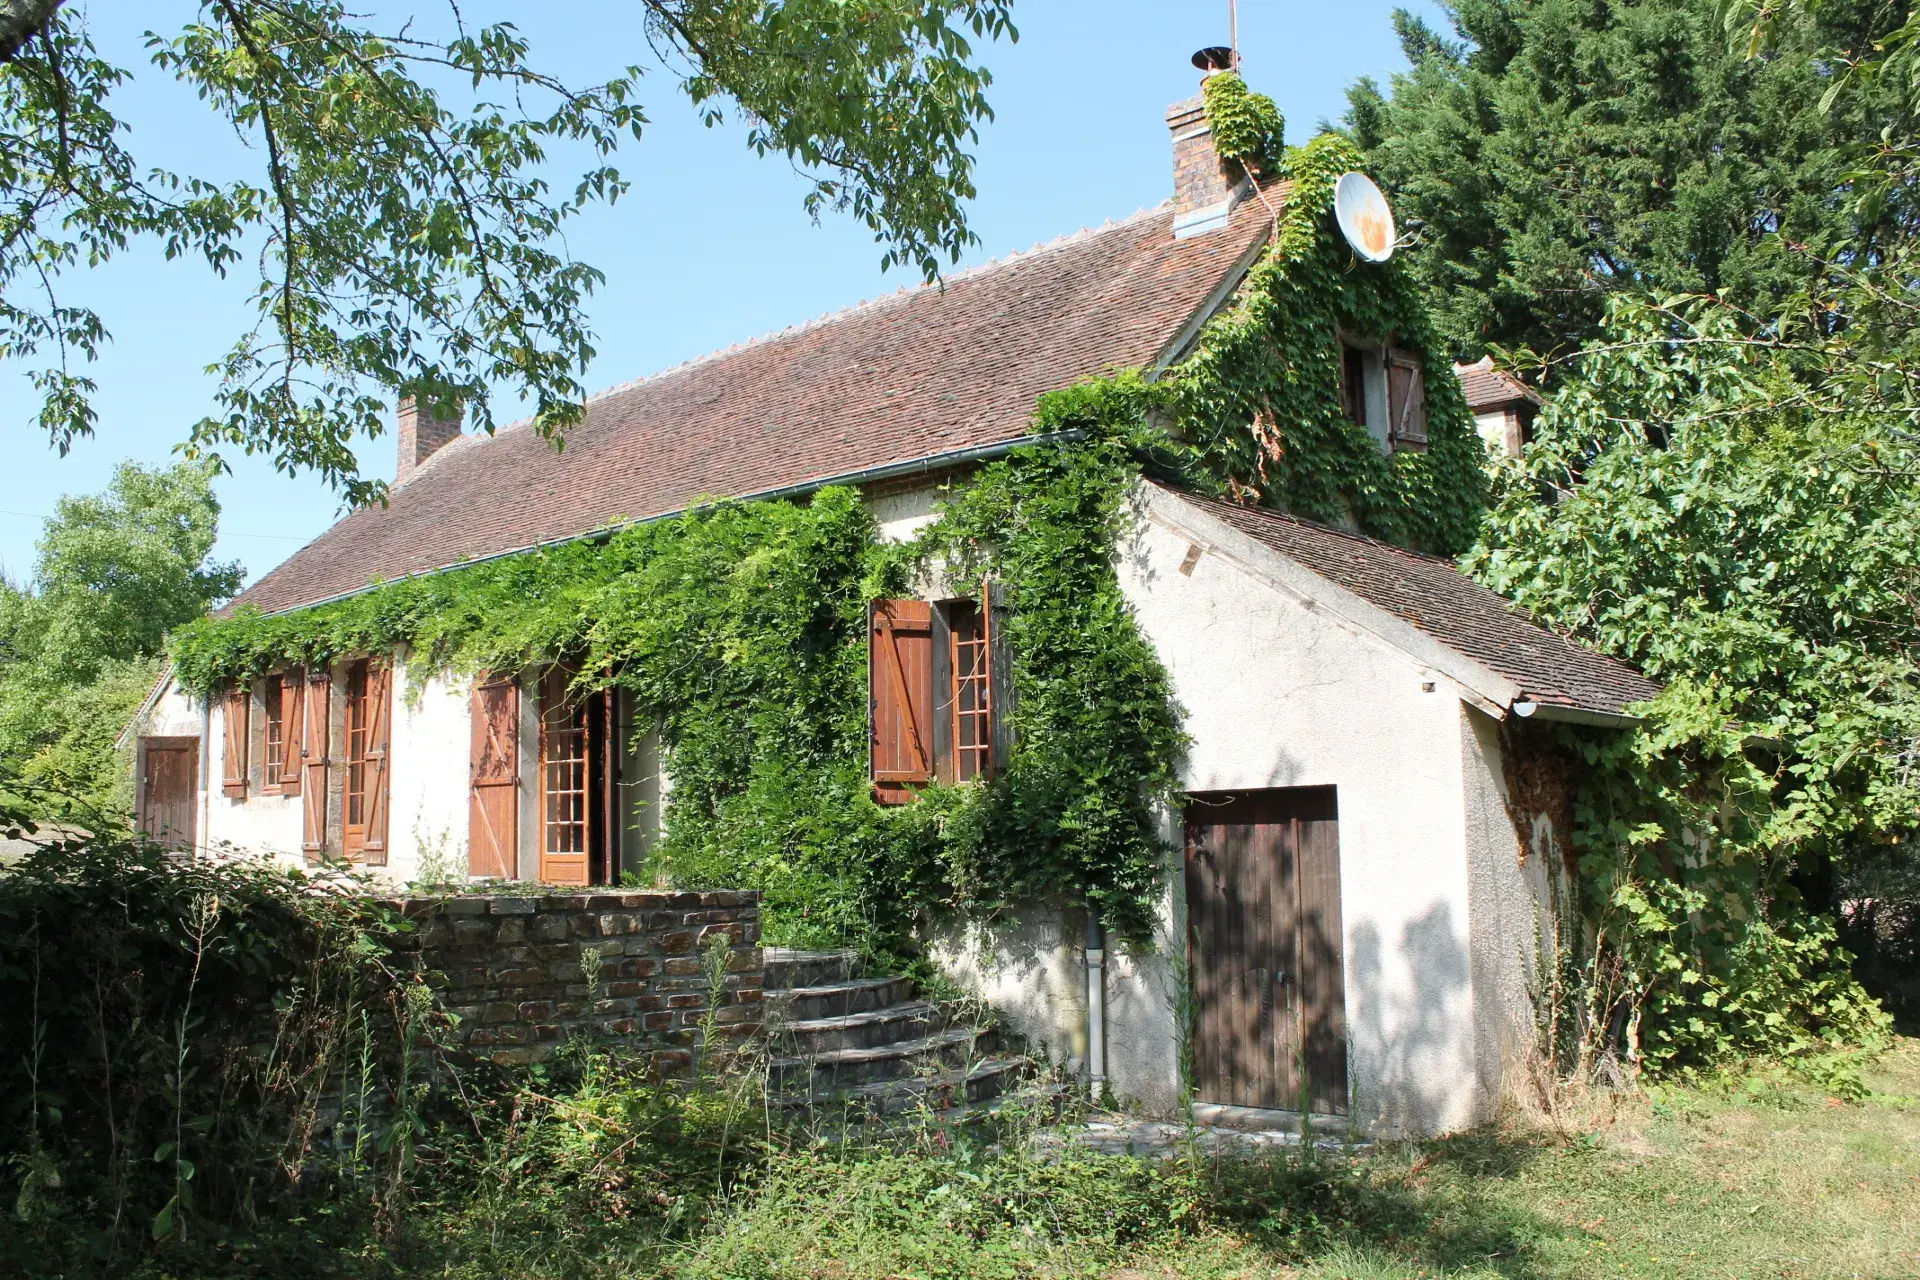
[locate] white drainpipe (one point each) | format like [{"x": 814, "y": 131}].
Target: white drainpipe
[{"x": 1096, "y": 951}]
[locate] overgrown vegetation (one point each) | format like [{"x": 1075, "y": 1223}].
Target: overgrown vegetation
[
  {"x": 80, "y": 643},
  {"x": 223, "y": 1075}
]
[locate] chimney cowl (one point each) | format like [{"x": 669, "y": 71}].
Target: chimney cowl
[
  {"x": 1215, "y": 57},
  {"x": 425, "y": 427}
]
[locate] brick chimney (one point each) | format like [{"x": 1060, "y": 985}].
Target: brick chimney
[
  {"x": 1205, "y": 187},
  {"x": 423, "y": 432}
]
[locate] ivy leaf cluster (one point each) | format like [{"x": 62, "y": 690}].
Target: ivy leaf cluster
[{"x": 1247, "y": 126}]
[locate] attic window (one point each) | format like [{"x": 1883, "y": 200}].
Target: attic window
[{"x": 1383, "y": 389}]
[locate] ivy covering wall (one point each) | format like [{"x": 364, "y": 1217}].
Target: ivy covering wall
[{"x": 739, "y": 629}]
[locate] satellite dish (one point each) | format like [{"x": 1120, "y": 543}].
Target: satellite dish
[{"x": 1364, "y": 217}]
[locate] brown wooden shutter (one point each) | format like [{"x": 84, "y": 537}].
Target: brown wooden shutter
[
  {"x": 493, "y": 809},
  {"x": 313, "y": 765},
  {"x": 1406, "y": 400},
  {"x": 900, "y": 697},
  {"x": 292, "y": 701},
  {"x": 379, "y": 718},
  {"x": 234, "y": 765}
]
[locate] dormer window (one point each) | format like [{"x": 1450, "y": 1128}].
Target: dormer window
[{"x": 1383, "y": 388}]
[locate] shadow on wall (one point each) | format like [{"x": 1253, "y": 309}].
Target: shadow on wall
[
  {"x": 1412, "y": 1061},
  {"x": 1025, "y": 963}
]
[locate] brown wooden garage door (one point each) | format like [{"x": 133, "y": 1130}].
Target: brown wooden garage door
[{"x": 1264, "y": 949}]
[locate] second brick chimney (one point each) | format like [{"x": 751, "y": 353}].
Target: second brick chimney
[
  {"x": 1205, "y": 187},
  {"x": 423, "y": 432}
]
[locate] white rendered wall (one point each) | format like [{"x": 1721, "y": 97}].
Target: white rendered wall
[{"x": 431, "y": 744}]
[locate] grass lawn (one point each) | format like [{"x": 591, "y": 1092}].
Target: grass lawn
[
  {"x": 1765, "y": 1179},
  {"x": 1769, "y": 1180}
]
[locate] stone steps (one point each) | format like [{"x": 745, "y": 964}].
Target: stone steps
[
  {"x": 865, "y": 1030},
  {"x": 866, "y": 1048},
  {"x": 837, "y": 999}
]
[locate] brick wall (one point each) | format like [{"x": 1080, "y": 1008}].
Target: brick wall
[
  {"x": 1200, "y": 178},
  {"x": 510, "y": 969}
]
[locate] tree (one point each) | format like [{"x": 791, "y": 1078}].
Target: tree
[
  {"x": 405, "y": 231},
  {"x": 80, "y": 648},
  {"x": 1558, "y": 153}
]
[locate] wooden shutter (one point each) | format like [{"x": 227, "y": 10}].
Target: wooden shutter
[
  {"x": 313, "y": 765},
  {"x": 900, "y": 697},
  {"x": 493, "y": 808},
  {"x": 234, "y": 764},
  {"x": 292, "y": 702},
  {"x": 379, "y": 707},
  {"x": 1406, "y": 400}
]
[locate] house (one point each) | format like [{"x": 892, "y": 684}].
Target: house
[
  {"x": 1503, "y": 407},
  {"x": 1357, "y": 893}
]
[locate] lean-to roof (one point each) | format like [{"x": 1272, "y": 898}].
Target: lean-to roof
[{"x": 1446, "y": 605}]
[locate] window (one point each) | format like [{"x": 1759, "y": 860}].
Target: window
[
  {"x": 1353, "y": 385},
  {"x": 276, "y": 731},
  {"x": 969, "y": 632},
  {"x": 564, "y": 767},
  {"x": 937, "y": 684},
  {"x": 1383, "y": 389}
]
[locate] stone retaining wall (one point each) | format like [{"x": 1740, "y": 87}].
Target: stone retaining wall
[{"x": 511, "y": 969}]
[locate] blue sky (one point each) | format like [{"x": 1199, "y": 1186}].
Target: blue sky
[{"x": 709, "y": 248}]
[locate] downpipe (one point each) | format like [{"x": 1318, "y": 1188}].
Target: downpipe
[{"x": 1096, "y": 955}]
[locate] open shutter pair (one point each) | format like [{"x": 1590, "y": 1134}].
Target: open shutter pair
[
  {"x": 938, "y": 681},
  {"x": 493, "y": 792},
  {"x": 1406, "y": 400}
]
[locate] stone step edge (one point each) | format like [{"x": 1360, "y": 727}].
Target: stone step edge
[
  {"x": 906, "y": 1010},
  {"x": 881, "y": 1052},
  {"x": 828, "y": 988},
  {"x": 879, "y": 1090}
]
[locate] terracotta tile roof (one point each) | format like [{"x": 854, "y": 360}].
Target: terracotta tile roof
[
  {"x": 1487, "y": 387},
  {"x": 1449, "y": 606},
  {"x": 929, "y": 371}
]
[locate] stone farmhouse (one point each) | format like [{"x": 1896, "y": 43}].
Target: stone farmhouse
[{"x": 1355, "y": 902}]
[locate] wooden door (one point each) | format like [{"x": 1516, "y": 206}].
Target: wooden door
[
  {"x": 169, "y": 791},
  {"x": 493, "y": 811},
  {"x": 1264, "y": 949},
  {"x": 567, "y": 792}
]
